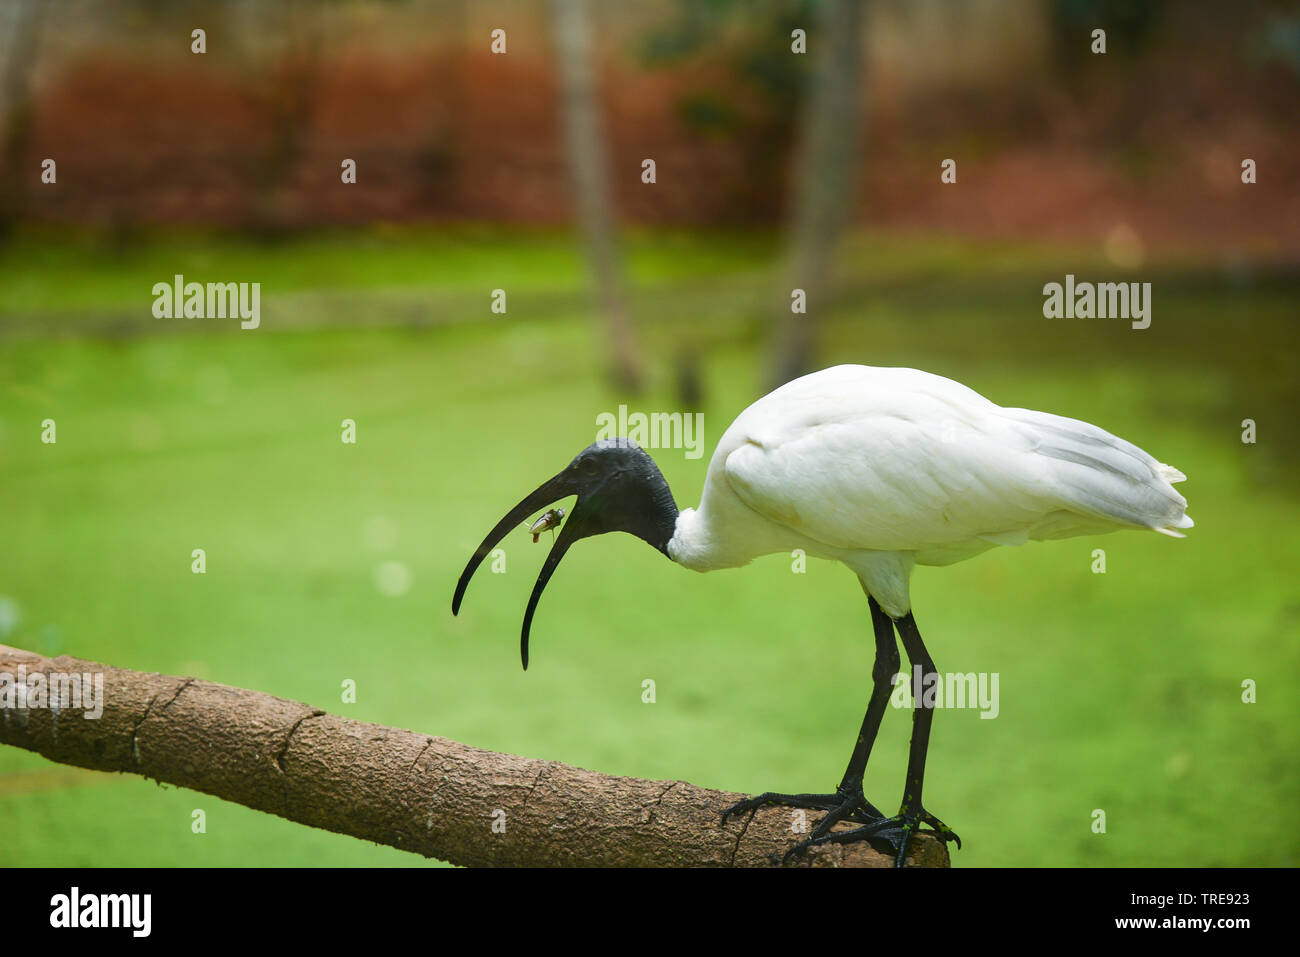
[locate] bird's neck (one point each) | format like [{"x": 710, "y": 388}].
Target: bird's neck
[
  {"x": 695, "y": 545},
  {"x": 661, "y": 517},
  {"x": 721, "y": 534}
]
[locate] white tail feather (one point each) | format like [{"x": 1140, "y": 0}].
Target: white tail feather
[{"x": 1102, "y": 475}]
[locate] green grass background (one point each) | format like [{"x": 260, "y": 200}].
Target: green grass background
[{"x": 1119, "y": 691}]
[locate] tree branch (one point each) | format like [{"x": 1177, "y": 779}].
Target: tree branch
[{"x": 420, "y": 793}]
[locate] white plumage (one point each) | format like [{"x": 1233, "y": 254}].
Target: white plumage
[
  {"x": 881, "y": 469},
  {"x": 884, "y": 469}
]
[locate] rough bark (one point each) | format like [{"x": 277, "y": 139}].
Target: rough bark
[{"x": 417, "y": 792}]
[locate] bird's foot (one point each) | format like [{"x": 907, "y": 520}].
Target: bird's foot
[
  {"x": 896, "y": 831},
  {"x": 846, "y": 804}
]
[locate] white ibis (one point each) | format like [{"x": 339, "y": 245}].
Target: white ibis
[{"x": 881, "y": 469}]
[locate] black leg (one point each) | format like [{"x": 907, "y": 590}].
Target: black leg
[
  {"x": 912, "y": 811},
  {"x": 882, "y": 676},
  {"x": 911, "y": 814},
  {"x": 922, "y": 715},
  {"x": 848, "y": 802}
]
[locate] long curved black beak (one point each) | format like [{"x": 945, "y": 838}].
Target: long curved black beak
[
  {"x": 619, "y": 489},
  {"x": 549, "y": 492}
]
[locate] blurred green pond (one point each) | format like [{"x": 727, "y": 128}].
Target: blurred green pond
[{"x": 1119, "y": 691}]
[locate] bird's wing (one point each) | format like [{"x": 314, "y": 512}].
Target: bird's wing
[{"x": 900, "y": 460}]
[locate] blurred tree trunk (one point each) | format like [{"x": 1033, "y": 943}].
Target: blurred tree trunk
[
  {"x": 587, "y": 170},
  {"x": 824, "y": 183},
  {"x": 287, "y": 74},
  {"x": 20, "y": 27}
]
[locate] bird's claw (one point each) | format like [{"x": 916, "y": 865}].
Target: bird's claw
[
  {"x": 840, "y": 805},
  {"x": 897, "y": 831},
  {"x": 843, "y": 805},
  {"x": 810, "y": 802}
]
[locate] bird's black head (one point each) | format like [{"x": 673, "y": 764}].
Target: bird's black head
[{"x": 619, "y": 489}]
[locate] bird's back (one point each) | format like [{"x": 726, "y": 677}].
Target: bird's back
[{"x": 858, "y": 457}]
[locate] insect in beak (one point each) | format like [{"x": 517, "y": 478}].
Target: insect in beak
[
  {"x": 618, "y": 489},
  {"x": 550, "y": 520}
]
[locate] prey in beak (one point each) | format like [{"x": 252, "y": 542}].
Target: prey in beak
[
  {"x": 619, "y": 489},
  {"x": 550, "y": 519}
]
